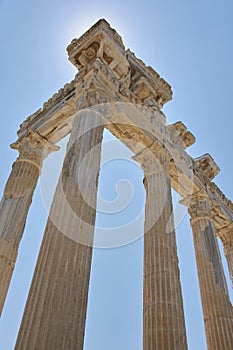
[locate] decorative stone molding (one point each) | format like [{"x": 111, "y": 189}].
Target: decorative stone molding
[
  {"x": 101, "y": 42},
  {"x": 25, "y": 171},
  {"x": 180, "y": 135},
  {"x": 54, "y": 120},
  {"x": 146, "y": 84},
  {"x": 207, "y": 166},
  {"x": 65, "y": 93},
  {"x": 101, "y": 26},
  {"x": 91, "y": 98},
  {"x": 33, "y": 148},
  {"x": 153, "y": 160},
  {"x": 98, "y": 76},
  {"x": 199, "y": 206},
  {"x": 60, "y": 95},
  {"x": 215, "y": 193}
]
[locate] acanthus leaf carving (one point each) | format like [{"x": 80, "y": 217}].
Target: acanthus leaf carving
[
  {"x": 33, "y": 147},
  {"x": 198, "y": 204},
  {"x": 154, "y": 159}
]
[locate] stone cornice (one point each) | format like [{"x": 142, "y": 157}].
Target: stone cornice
[
  {"x": 59, "y": 103},
  {"x": 101, "y": 42},
  {"x": 180, "y": 135},
  {"x": 103, "y": 27},
  {"x": 215, "y": 192},
  {"x": 147, "y": 84},
  {"x": 208, "y": 167},
  {"x": 154, "y": 160}
]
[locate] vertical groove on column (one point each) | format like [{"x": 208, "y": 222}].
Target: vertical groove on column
[
  {"x": 8, "y": 254},
  {"x": 17, "y": 197},
  {"x": 217, "y": 308},
  {"x": 13, "y": 213},
  {"x": 55, "y": 312},
  {"x": 163, "y": 316}
]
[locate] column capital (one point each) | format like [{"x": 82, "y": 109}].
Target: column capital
[
  {"x": 33, "y": 148},
  {"x": 154, "y": 159},
  {"x": 198, "y": 204}
]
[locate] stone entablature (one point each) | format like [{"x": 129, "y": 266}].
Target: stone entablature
[
  {"x": 102, "y": 42},
  {"x": 146, "y": 83},
  {"x": 180, "y": 135},
  {"x": 207, "y": 166},
  {"x": 145, "y": 90}
]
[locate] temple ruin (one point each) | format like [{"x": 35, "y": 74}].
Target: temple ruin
[{"x": 114, "y": 89}]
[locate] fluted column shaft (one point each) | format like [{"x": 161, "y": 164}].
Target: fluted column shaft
[
  {"x": 163, "y": 315},
  {"x": 16, "y": 202},
  {"x": 55, "y": 312},
  {"x": 217, "y": 309}
]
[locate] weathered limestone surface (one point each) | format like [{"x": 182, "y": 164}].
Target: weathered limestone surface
[
  {"x": 101, "y": 49},
  {"x": 163, "y": 315},
  {"x": 16, "y": 202},
  {"x": 55, "y": 312},
  {"x": 8, "y": 255},
  {"x": 217, "y": 308},
  {"x": 129, "y": 95}
]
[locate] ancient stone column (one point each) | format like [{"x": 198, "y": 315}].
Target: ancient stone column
[
  {"x": 16, "y": 202},
  {"x": 163, "y": 315},
  {"x": 217, "y": 309},
  {"x": 55, "y": 312}
]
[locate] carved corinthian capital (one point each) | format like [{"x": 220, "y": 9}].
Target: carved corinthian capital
[
  {"x": 33, "y": 148},
  {"x": 154, "y": 160},
  {"x": 199, "y": 205}
]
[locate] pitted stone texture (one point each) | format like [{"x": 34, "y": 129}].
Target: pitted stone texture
[
  {"x": 8, "y": 254},
  {"x": 163, "y": 314},
  {"x": 55, "y": 312},
  {"x": 17, "y": 199},
  {"x": 217, "y": 308}
]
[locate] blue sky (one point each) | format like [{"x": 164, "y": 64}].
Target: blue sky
[{"x": 190, "y": 44}]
